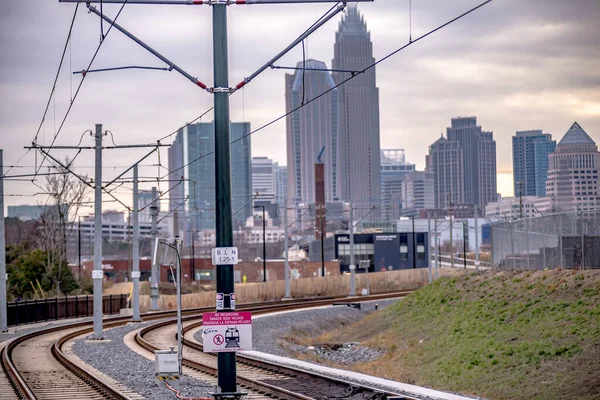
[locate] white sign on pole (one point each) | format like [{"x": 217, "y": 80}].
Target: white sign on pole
[
  {"x": 224, "y": 255},
  {"x": 97, "y": 274},
  {"x": 135, "y": 274},
  {"x": 220, "y": 301},
  {"x": 227, "y": 332},
  {"x": 232, "y": 301}
]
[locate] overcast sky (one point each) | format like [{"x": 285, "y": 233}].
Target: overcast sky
[{"x": 514, "y": 64}]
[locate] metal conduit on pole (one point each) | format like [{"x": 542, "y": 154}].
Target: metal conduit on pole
[
  {"x": 135, "y": 270},
  {"x": 3, "y": 275},
  {"x": 97, "y": 274}
]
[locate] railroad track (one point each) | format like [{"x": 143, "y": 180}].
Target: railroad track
[
  {"x": 35, "y": 366},
  {"x": 260, "y": 377}
]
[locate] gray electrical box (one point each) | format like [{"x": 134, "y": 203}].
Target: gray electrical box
[{"x": 166, "y": 363}]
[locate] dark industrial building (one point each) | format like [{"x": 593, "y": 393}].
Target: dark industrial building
[{"x": 387, "y": 251}]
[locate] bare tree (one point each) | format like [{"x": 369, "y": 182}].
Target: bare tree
[{"x": 66, "y": 193}]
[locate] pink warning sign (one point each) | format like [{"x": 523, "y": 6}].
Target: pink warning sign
[{"x": 227, "y": 318}]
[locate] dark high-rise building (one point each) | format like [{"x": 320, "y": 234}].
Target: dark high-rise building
[
  {"x": 530, "y": 162},
  {"x": 358, "y": 178},
  {"x": 464, "y": 165},
  {"x": 309, "y": 130},
  {"x": 194, "y": 197}
]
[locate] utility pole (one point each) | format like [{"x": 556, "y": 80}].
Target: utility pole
[
  {"x": 264, "y": 257},
  {"x": 286, "y": 246},
  {"x": 521, "y": 199},
  {"x": 79, "y": 246},
  {"x": 193, "y": 264},
  {"x": 352, "y": 265},
  {"x": 437, "y": 247},
  {"x": 224, "y": 233},
  {"x": 465, "y": 231},
  {"x": 451, "y": 238},
  {"x": 155, "y": 277},
  {"x": 97, "y": 274},
  {"x": 428, "y": 249},
  {"x": 414, "y": 244},
  {"x": 3, "y": 275},
  {"x": 476, "y": 237},
  {"x": 135, "y": 270},
  {"x": 560, "y": 239},
  {"x": 322, "y": 244}
]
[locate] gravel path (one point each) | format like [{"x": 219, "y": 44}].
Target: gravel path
[{"x": 133, "y": 370}]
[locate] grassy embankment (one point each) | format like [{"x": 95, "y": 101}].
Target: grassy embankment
[{"x": 526, "y": 335}]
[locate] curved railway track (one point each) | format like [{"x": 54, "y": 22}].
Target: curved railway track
[
  {"x": 35, "y": 366},
  {"x": 260, "y": 377}
]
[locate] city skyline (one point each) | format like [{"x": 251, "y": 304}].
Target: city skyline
[{"x": 430, "y": 74}]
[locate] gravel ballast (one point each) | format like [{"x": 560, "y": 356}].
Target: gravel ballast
[
  {"x": 133, "y": 370},
  {"x": 268, "y": 331}
]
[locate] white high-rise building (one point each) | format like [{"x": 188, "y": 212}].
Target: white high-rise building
[
  {"x": 263, "y": 179},
  {"x": 572, "y": 182}
]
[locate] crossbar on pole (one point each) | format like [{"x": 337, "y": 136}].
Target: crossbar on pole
[
  {"x": 213, "y": 2},
  {"x": 148, "y": 48}
]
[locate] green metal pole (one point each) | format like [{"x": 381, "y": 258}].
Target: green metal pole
[{"x": 225, "y": 361}]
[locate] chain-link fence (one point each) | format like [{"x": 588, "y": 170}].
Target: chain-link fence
[{"x": 565, "y": 240}]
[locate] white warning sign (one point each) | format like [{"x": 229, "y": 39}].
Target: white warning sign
[{"x": 227, "y": 332}]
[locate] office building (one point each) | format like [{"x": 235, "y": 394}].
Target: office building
[
  {"x": 191, "y": 158},
  {"x": 28, "y": 212},
  {"x": 512, "y": 208},
  {"x": 358, "y": 160},
  {"x": 393, "y": 170},
  {"x": 464, "y": 165},
  {"x": 530, "y": 162},
  {"x": 311, "y": 130},
  {"x": 263, "y": 179},
  {"x": 281, "y": 186},
  {"x": 572, "y": 182}
]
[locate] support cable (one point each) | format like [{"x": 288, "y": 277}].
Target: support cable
[
  {"x": 339, "y": 84},
  {"x": 164, "y": 59},
  {"x": 176, "y": 208},
  {"x": 57, "y": 72}
]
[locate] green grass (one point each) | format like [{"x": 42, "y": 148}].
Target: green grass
[{"x": 527, "y": 335}]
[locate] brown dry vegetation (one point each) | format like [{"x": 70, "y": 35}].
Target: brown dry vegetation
[{"x": 499, "y": 335}]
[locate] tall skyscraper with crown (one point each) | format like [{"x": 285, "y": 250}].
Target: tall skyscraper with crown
[{"x": 358, "y": 161}]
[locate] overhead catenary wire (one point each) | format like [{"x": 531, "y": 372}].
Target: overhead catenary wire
[
  {"x": 62, "y": 57},
  {"x": 79, "y": 86},
  {"x": 339, "y": 84}
]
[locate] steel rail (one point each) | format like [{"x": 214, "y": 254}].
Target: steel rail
[{"x": 261, "y": 364}]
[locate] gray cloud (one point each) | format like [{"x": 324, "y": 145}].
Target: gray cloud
[{"x": 514, "y": 64}]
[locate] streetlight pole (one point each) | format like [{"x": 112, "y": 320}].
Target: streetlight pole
[
  {"x": 414, "y": 244},
  {"x": 465, "y": 227},
  {"x": 322, "y": 245},
  {"x": 264, "y": 244}
]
